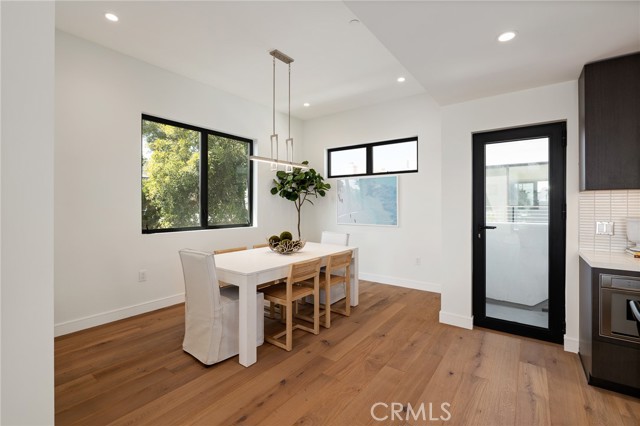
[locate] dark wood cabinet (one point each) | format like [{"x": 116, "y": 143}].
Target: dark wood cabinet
[
  {"x": 608, "y": 363},
  {"x": 610, "y": 124}
]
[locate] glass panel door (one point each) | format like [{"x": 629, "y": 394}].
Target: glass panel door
[
  {"x": 517, "y": 237},
  {"x": 519, "y": 230}
]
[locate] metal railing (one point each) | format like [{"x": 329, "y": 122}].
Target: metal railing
[{"x": 518, "y": 214}]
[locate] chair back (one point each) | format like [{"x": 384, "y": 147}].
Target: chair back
[
  {"x": 339, "y": 261},
  {"x": 229, "y": 250},
  {"x": 202, "y": 292},
  {"x": 338, "y": 238},
  {"x": 304, "y": 270}
]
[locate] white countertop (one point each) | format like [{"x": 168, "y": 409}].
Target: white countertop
[{"x": 620, "y": 261}]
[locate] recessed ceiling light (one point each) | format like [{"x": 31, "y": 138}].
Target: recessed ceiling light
[
  {"x": 354, "y": 21},
  {"x": 306, "y": 104},
  {"x": 507, "y": 36},
  {"x": 111, "y": 17},
  {"x": 401, "y": 79}
]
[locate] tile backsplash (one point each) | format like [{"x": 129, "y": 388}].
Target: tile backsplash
[{"x": 607, "y": 206}]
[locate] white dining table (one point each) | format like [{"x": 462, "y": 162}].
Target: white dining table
[{"x": 246, "y": 269}]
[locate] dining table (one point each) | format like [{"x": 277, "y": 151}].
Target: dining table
[{"x": 247, "y": 269}]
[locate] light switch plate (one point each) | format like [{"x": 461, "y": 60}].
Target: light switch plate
[{"x": 604, "y": 228}]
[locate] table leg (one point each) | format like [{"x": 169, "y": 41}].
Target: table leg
[{"x": 248, "y": 333}]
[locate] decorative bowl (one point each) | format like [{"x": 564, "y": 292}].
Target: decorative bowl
[{"x": 286, "y": 246}]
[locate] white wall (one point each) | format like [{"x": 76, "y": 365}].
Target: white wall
[
  {"x": 544, "y": 104},
  {"x": 27, "y": 213},
  {"x": 387, "y": 254},
  {"x": 99, "y": 247}
]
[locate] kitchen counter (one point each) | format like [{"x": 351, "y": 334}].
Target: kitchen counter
[{"x": 604, "y": 260}]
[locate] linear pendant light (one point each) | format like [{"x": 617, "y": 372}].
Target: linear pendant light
[{"x": 274, "y": 160}]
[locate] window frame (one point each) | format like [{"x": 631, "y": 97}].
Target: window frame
[
  {"x": 203, "y": 176},
  {"x": 369, "y": 158}
]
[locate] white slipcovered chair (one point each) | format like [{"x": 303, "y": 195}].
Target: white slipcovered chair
[{"x": 212, "y": 313}]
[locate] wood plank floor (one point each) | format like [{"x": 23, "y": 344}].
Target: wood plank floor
[{"x": 391, "y": 351}]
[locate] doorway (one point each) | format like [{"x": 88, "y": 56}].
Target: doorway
[{"x": 519, "y": 215}]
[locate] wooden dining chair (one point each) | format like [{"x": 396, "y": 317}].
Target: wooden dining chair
[
  {"x": 303, "y": 280},
  {"x": 270, "y": 309},
  {"x": 337, "y": 265},
  {"x": 229, "y": 250}
]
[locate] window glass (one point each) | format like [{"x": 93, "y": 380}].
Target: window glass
[
  {"x": 348, "y": 162},
  {"x": 395, "y": 157},
  {"x": 170, "y": 176},
  {"x": 378, "y": 158},
  {"x": 228, "y": 187},
  {"x": 176, "y": 160}
]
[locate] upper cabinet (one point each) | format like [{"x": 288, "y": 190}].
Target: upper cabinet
[{"x": 610, "y": 124}]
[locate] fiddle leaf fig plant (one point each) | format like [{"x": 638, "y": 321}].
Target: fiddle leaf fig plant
[{"x": 298, "y": 186}]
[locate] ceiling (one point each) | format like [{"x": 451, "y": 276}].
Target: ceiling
[{"x": 447, "y": 49}]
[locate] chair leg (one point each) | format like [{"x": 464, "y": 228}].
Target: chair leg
[
  {"x": 289, "y": 340},
  {"x": 347, "y": 299},
  {"x": 316, "y": 307},
  {"x": 327, "y": 306}
]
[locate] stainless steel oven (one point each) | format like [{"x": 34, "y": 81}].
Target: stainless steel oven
[{"x": 620, "y": 307}]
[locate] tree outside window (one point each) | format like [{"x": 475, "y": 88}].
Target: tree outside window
[{"x": 174, "y": 181}]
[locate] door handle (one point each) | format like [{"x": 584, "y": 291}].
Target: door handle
[{"x": 483, "y": 227}]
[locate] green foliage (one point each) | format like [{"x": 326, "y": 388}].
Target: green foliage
[
  {"x": 170, "y": 185},
  {"x": 171, "y": 178},
  {"x": 227, "y": 182},
  {"x": 297, "y": 186}
]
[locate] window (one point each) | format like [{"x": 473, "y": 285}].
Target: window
[
  {"x": 193, "y": 178},
  {"x": 378, "y": 158}
]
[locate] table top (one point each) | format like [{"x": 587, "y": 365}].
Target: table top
[{"x": 254, "y": 261}]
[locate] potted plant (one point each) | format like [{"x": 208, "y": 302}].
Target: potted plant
[{"x": 298, "y": 186}]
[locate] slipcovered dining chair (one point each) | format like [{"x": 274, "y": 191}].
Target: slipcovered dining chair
[
  {"x": 294, "y": 289},
  {"x": 338, "y": 238},
  {"x": 339, "y": 291},
  {"x": 212, "y": 313}
]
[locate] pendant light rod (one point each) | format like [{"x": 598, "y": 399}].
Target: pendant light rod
[{"x": 275, "y": 160}]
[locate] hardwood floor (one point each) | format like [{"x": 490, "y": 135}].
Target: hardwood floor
[{"x": 391, "y": 351}]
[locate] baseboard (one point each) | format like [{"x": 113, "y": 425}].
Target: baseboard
[
  {"x": 115, "y": 315},
  {"x": 456, "y": 320},
  {"x": 571, "y": 344},
  {"x": 401, "y": 282}
]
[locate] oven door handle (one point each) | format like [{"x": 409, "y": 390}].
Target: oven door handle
[{"x": 635, "y": 309}]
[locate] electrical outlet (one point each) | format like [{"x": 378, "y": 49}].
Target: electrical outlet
[
  {"x": 142, "y": 275},
  {"x": 418, "y": 261},
  {"x": 604, "y": 228}
]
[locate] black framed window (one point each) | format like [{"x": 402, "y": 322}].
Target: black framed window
[
  {"x": 193, "y": 178},
  {"x": 377, "y": 158}
]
